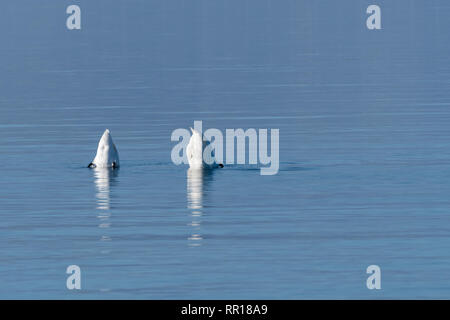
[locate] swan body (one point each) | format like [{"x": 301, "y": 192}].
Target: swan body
[
  {"x": 194, "y": 152},
  {"x": 107, "y": 155}
]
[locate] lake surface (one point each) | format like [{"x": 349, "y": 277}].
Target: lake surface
[{"x": 364, "y": 149}]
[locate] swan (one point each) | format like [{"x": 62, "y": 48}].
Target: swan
[
  {"x": 107, "y": 155},
  {"x": 194, "y": 152}
]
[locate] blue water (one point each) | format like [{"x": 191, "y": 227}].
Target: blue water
[{"x": 364, "y": 149}]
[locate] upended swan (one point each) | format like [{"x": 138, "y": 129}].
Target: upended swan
[
  {"x": 107, "y": 155},
  {"x": 194, "y": 152}
]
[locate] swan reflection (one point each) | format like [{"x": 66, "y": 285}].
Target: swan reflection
[
  {"x": 197, "y": 179},
  {"x": 104, "y": 180}
]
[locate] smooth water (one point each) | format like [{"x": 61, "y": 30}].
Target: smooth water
[{"x": 364, "y": 149}]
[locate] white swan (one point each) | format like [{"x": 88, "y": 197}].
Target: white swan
[
  {"x": 194, "y": 152},
  {"x": 107, "y": 155}
]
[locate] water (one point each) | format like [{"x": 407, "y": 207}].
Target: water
[{"x": 364, "y": 149}]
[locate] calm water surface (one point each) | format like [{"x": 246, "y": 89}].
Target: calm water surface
[{"x": 364, "y": 149}]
